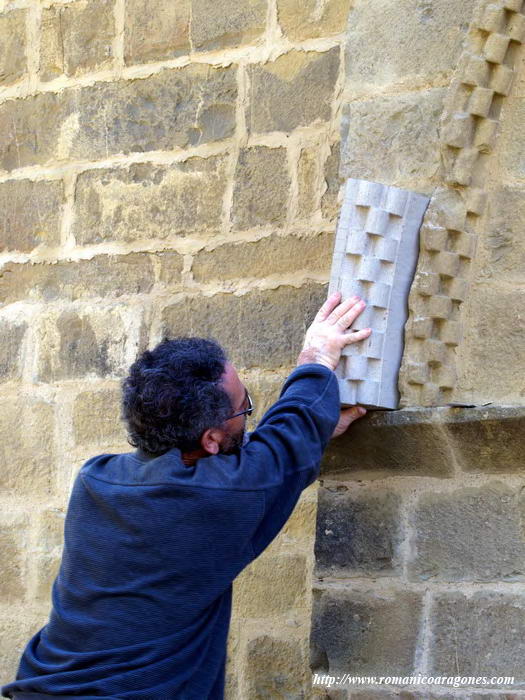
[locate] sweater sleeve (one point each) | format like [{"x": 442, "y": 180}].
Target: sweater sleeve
[
  {"x": 299, "y": 425},
  {"x": 280, "y": 458},
  {"x": 289, "y": 439}
]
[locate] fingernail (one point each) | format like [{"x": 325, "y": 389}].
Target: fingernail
[{"x": 362, "y": 410}]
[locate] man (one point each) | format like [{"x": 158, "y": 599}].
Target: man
[{"x": 155, "y": 538}]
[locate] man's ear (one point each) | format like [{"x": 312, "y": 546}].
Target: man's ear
[{"x": 211, "y": 440}]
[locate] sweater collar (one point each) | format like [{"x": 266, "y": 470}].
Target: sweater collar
[{"x": 144, "y": 456}]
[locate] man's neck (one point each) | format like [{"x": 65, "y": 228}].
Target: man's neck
[{"x": 190, "y": 458}]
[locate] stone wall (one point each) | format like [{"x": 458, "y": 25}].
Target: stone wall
[
  {"x": 165, "y": 168},
  {"x": 420, "y": 545},
  {"x": 420, "y": 551},
  {"x": 174, "y": 168}
]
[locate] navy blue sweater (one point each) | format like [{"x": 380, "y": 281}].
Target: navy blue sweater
[{"x": 142, "y": 601}]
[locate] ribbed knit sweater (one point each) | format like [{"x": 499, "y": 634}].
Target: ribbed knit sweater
[{"x": 142, "y": 601}]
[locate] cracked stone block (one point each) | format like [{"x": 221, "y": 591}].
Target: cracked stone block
[{"x": 375, "y": 256}]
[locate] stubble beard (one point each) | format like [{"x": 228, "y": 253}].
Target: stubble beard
[{"x": 232, "y": 443}]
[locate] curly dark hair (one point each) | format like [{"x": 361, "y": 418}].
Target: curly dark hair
[{"x": 173, "y": 394}]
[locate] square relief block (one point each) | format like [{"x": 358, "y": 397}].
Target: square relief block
[{"x": 375, "y": 256}]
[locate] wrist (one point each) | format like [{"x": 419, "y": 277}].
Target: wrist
[{"x": 312, "y": 356}]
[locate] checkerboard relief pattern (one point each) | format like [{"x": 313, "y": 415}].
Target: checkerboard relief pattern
[
  {"x": 483, "y": 79},
  {"x": 375, "y": 256}
]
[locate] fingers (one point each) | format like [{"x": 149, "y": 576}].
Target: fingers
[
  {"x": 328, "y": 306},
  {"x": 343, "y": 308},
  {"x": 347, "y": 417},
  {"x": 356, "y": 412},
  {"x": 350, "y": 316},
  {"x": 355, "y": 336}
]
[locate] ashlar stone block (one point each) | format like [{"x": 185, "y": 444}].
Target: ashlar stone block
[
  {"x": 262, "y": 328},
  {"x": 27, "y": 444},
  {"x": 357, "y": 533},
  {"x": 306, "y": 19},
  {"x": 409, "y": 442},
  {"x": 96, "y": 417},
  {"x": 500, "y": 430},
  {"x": 364, "y": 632},
  {"x": 503, "y": 243},
  {"x": 16, "y": 630},
  {"x": 375, "y": 256},
  {"x": 102, "y": 276},
  {"x": 49, "y": 552},
  {"x": 11, "y": 352},
  {"x": 261, "y": 188},
  {"x": 472, "y": 534},
  {"x": 274, "y": 667},
  {"x": 31, "y": 214},
  {"x": 404, "y": 39},
  {"x": 149, "y": 201},
  {"x": 14, "y": 544},
  {"x": 12, "y": 46},
  {"x": 76, "y": 38},
  {"x": 294, "y": 90},
  {"x": 271, "y": 255},
  {"x": 329, "y": 201},
  {"x": 307, "y": 177},
  {"x": 79, "y": 343},
  {"x": 391, "y": 138},
  {"x": 156, "y": 30},
  {"x": 223, "y": 23},
  {"x": 175, "y": 108},
  {"x": 485, "y": 629},
  {"x": 494, "y": 356},
  {"x": 271, "y": 586}
]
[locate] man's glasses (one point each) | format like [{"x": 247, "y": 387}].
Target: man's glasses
[{"x": 248, "y": 410}]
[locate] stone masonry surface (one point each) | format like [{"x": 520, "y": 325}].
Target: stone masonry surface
[
  {"x": 165, "y": 168},
  {"x": 419, "y": 542},
  {"x": 176, "y": 167},
  {"x": 468, "y": 132}
]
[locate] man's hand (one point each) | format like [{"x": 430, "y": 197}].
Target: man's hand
[
  {"x": 348, "y": 416},
  {"x": 327, "y": 335},
  {"x": 325, "y": 339}
]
